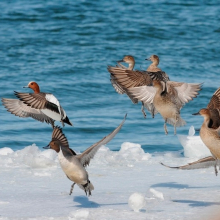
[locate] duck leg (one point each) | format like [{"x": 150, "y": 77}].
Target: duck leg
[
  {"x": 71, "y": 189},
  {"x": 215, "y": 167},
  {"x": 142, "y": 109},
  {"x": 165, "y": 126},
  {"x": 175, "y": 125}
]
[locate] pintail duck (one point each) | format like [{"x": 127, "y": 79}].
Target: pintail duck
[
  {"x": 210, "y": 135},
  {"x": 123, "y": 78},
  {"x": 41, "y": 106},
  {"x": 168, "y": 98},
  {"x": 74, "y": 165}
]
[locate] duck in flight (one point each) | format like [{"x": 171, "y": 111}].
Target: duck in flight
[
  {"x": 72, "y": 164},
  {"x": 41, "y": 106},
  {"x": 124, "y": 78}
]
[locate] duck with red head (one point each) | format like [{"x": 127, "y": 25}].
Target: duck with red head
[
  {"x": 41, "y": 106},
  {"x": 73, "y": 165}
]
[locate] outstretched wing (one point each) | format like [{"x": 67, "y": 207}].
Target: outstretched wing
[
  {"x": 60, "y": 136},
  {"x": 215, "y": 100},
  {"x": 185, "y": 91},
  {"x": 40, "y": 101},
  {"x": 143, "y": 93},
  {"x": 199, "y": 164},
  {"x": 129, "y": 78},
  {"x": 88, "y": 154},
  {"x": 20, "y": 109}
]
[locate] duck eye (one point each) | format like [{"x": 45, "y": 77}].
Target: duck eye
[{"x": 32, "y": 83}]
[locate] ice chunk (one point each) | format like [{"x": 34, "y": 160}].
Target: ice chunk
[
  {"x": 193, "y": 145},
  {"x": 157, "y": 194},
  {"x": 191, "y": 131},
  {"x": 6, "y": 151},
  {"x": 132, "y": 151},
  {"x": 136, "y": 201},
  {"x": 33, "y": 157}
]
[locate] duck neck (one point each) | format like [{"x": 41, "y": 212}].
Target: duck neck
[
  {"x": 207, "y": 121},
  {"x": 131, "y": 66},
  {"x": 36, "y": 89}
]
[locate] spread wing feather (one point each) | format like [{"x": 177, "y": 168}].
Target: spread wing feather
[
  {"x": 215, "y": 100},
  {"x": 88, "y": 154},
  {"x": 39, "y": 101},
  {"x": 20, "y": 109},
  {"x": 185, "y": 91},
  {"x": 199, "y": 164}
]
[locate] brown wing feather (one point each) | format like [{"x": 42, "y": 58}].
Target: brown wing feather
[
  {"x": 215, "y": 100},
  {"x": 18, "y": 108},
  {"x": 60, "y": 136},
  {"x": 37, "y": 101},
  {"x": 130, "y": 78}
]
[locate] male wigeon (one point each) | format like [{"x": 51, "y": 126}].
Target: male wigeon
[{"x": 41, "y": 106}]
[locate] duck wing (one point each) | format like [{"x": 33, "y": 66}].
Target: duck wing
[
  {"x": 183, "y": 92},
  {"x": 19, "y": 108},
  {"x": 89, "y": 153},
  {"x": 40, "y": 101},
  {"x": 129, "y": 78},
  {"x": 199, "y": 164},
  {"x": 215, "y": 100}
]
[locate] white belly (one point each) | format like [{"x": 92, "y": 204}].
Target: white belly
[
  {"x": 55, "y": 116},
  {"x": 73, "y": 169}
]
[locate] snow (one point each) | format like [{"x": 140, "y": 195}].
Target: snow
[{"x": 129, "y": 184}]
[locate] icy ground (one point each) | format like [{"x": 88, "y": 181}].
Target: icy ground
[{"x": 129, "y": 184}]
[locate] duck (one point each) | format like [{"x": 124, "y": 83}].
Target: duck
[
  {"x": 123, "y": 78},
  {"x": 168, "y": 99},
  {"x": 72, "y": 164},
  {"x": 210, "y": 135},
  {"x": 41, "y": 106}
]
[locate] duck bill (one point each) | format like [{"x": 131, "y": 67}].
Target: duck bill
[
  {"x": 147, "y": 59},
  {"x": 120, "y": 61},
  {"x": 197, "y": 113},
  {"x": 26, "y": 86},
  {"x": 47, "y": 147}
]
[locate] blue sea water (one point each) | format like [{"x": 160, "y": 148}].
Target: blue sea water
[{"x": 65, "y": 46}]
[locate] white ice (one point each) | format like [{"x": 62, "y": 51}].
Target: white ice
[{"x": 34, "y": 187}]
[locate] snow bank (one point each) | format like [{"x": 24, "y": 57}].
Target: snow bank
[
  {"x": 6, "y": 151},
  {"x": 129, "y": 184},
  {"x": 193, "y": 145},
  {"x": 30, "y": 156},
  {"x": 128, "y": 155}
]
